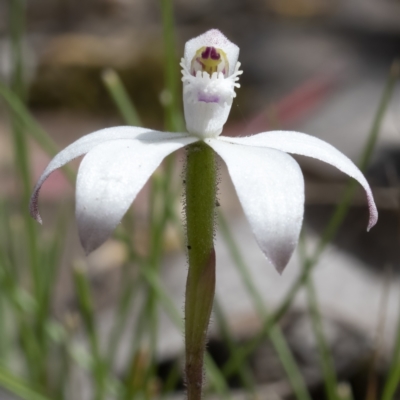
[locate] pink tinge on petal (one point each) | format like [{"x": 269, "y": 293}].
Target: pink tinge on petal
[
  {"x": 56, "y": 187},
  {"x": 34, "y": 206},
  {"x": 373, "y": 212}
]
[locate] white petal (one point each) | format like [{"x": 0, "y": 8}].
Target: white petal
[
  {"x": 109, "y": 178},
  {"x": 212, "y": 38},
  {"x": 306, "y": 145},
  {"x": 85, "y": 144},
  {"x": 270, "y": 187}
]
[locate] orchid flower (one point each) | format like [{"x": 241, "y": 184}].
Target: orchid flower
[{"x": 268, "y": 181}]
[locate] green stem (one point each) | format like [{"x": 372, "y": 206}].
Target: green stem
[
  {"x": 393, "y": 378},
  {"x": 83, "y": 292},
  {"x": 327, "y": 365},
  {"x": 200, "y": 286}
]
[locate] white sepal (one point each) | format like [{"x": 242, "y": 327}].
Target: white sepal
[
  {"x": 306, "y": 145},
  {"x": 84, "y": 145},
  {"x": 270, "y": 187},
  {"x": 76, "y": 149},
  {"x": 109, "y": 178}
]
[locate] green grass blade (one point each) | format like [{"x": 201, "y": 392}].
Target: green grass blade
[
  {"x": 50, "y": 261},
  {"x": 120, "y": 97},
  {"x": 18, "y": 387},
  {"x": 63, "y": 375},
  {"x": 27, "y": 121},
  {"x": 173, "y": 113},
  {"x": 393, "y": 377},
  {"x": 31, "y": 127},
  {"x": 4, "y": 337},
  {"x": 328, "y": 368},
  {"x": 21, "y": 154},
  {"x": 23, "y": 306},
  {"x": 172, "y": 380},
  {"x": 327, "y": 364},
  {"x": 129, "y": 293},
  {"x": 86, "y": 306},
  {"x": 244, "y": 372},
  {"x": 275, "y": 334},
  {"x": 215, "y": 377}
]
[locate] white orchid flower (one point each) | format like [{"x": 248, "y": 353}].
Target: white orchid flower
[{"x": 268, "y": 181}]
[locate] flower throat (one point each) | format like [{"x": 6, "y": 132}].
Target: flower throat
[{"x": 210, "y": 60}]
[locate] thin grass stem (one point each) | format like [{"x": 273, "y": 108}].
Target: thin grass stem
[
  {"x": 18, "y": 386},
  {"x": 393, "y": 377},
  {"x": 173, "y": 113},
  {"x": 84, "y": 296},
  {"x": 244, "y": 372},
  {"x": 120, "y": 97},
  {"x": 31, "y": 126},
  {"x": 328, "y": 368},
  {"x": 275, "y": 334}
]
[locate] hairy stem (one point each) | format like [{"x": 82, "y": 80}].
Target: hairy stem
[{"x": 200, "y": 286}]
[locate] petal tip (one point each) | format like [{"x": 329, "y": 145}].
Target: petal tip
[
  {"x": 280, "y": 268},
  {"x": 373, "y": 214},
  {"x": 86, "y": 251},
  {"x": 88, "y": 246},
  {"x": 34, "y": 208},
  {"x": 90, "y": 239},
  {"x": 36, "y": 216},
  {"x": 278, "y": 262},
  {"x": 372, "y": 222}
]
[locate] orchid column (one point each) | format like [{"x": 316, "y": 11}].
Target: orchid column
[{"x": 210, "y": 72}]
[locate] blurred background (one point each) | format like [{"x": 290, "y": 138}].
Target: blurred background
[{"x": 109, "y": 326}]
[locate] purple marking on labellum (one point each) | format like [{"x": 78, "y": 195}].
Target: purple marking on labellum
[
  {"x": 210, "y": 52},
  {"x": 214, "y": 54},
  {"x": 207, "y": 98},
  {"x": 206, "y": 52}
]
